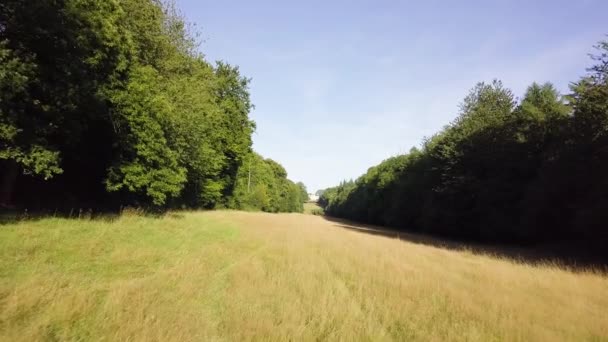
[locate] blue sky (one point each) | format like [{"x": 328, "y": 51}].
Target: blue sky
[{"x": 340, "y": 86}]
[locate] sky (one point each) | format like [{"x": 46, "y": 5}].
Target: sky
[{"x": 338, "y": 86}]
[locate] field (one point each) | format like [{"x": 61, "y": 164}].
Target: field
[
  {"x": 312, "y": 208},
  {"x": 251, "y": 276}
]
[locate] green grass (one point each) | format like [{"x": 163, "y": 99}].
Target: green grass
[
  {"x": 313, "y": 208},
  {"x": 98, "y": 249},
  {"x": 251, "y": 276},
  {"x": 58, "y": 276}
]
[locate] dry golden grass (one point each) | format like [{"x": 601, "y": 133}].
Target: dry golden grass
[{"x": 251, "y": 276}]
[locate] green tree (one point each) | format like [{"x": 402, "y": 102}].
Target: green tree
[
  {"x": 55, "y": 57},
  {"x": 110, "y": 102},
  {"x": 262, "y": 184},
  {"x": 303, "y": 192}
]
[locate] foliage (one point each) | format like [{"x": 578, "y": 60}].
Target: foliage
[
  {"x": 303, "y": 192},
  {"x": 262, "y": 184},
  {"x": 108, "y": 103},
  {"x": 503, "y": 170}
]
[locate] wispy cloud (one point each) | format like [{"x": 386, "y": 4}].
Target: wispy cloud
[{"x": 340, "y": 86}]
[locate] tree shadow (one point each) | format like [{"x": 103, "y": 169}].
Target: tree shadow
[
  {"x": 575, "y": 255},
  {"x": 13, "y": 217}
]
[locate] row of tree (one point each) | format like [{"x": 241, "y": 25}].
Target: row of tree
[
  {"x": 528, "y": 170},
  {"x": 262, "y": 184},
  {"x": 108, "y": 102}
]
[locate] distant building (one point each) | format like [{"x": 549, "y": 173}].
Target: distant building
[{"x": 313, "y": 198}]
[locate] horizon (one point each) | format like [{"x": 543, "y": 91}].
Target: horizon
[{"x": 340, "y": 89}]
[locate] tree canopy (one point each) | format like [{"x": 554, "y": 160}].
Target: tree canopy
[
  {"x": 109, "y": 102},
  {"x": 505, "y": 169}
]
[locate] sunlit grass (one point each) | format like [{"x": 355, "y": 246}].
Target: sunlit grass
[
  {"x": 240, "y": 276},
  {"x": 312, "y": 208}
]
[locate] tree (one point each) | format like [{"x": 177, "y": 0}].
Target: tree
[
  {"x": 262, "y": 184},
  {"x": 303, "y": 192},
  {"x": 109, "y": 102},
  {"x": 501, "y": 171},
  {"x": 55, "y": 57}
]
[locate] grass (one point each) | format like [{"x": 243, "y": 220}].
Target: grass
[
  {"x": 313, "y": 208},
  {"x": 251, "y": 276}
]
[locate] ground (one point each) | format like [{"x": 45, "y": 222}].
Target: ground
[{"x": 228, "y": 275}]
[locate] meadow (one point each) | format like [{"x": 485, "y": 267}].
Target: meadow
[
  {"x": 312, "y": 208},
  {"x": 229, "y": 275}
]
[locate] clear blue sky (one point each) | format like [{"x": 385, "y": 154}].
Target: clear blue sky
[{"x": 341, "y": 85}]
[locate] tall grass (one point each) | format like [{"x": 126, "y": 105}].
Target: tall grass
[
  {"x": 242, "y": 276},
  {"x": 313, "y": 209}
]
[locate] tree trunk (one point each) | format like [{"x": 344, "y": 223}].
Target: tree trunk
[{"x": 8, "y": 177}]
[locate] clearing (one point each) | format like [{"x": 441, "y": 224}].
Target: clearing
[
  {"x": 312, "y": 208},
  {"x": 228, "y": 275}
]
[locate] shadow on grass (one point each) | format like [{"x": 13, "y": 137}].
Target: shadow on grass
[
  {"x": 573, "y": 255},
  {"x": 12, "y": 216}
]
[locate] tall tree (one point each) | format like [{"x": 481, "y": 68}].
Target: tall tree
[
  {"x": 303, "y": 192},
  {"x": 109, "y": 102}
]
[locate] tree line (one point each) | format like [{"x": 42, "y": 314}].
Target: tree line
[
  {"x": 109, "y": 102},
  {"x": 533, "y": 169}
]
